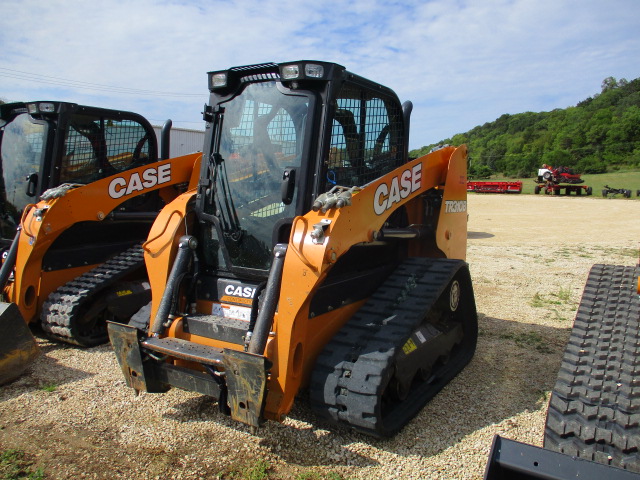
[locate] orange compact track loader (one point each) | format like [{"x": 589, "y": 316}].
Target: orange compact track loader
[
  {"x": 76, "y": 258},
  {"x": 314, "y": 254}
]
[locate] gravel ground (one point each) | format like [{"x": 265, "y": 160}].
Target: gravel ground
[{"x": 529, "y": 255}]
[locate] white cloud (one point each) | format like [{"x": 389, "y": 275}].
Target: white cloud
[{"x": 462, "y": 63}]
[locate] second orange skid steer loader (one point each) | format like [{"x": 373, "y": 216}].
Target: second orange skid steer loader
[
  {"x": 96, "y": 184},
  {"x": 313, "y": 254}
]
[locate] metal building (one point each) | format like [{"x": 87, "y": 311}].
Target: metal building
[{"x": 183, "y": 140}]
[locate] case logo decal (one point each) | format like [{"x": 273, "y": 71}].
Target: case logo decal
[
  {"x": 401, "y": 187},
  {"x": 121, "y": 186}
]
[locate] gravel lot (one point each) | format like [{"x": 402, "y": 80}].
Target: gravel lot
[{"x": 529, "y": 255}]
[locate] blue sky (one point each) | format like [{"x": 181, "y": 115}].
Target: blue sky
[{"x": 462, "y": 62}]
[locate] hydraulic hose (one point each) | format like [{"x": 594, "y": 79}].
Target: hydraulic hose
[
  {"x": 185, "y": 246},
  {"x": 10, "y": 261},
  {"x": 262, "y": 328}
]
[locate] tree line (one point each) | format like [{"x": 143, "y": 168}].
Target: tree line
[{"x": 599, "y": 134}]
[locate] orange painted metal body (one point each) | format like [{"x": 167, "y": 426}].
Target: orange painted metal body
[
  {"x": 298, "y": 335},
  {"x": 44, "y": 222}
]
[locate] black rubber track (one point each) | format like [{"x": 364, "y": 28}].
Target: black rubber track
[
  {"x": 595, "y": 406},
  {"x": 63, "y": 315},
  {"x": 352, "y": 372}
]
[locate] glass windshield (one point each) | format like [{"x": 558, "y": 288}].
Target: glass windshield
[
  {"x": 20, "y": 156},
  {"x": 262, "y": 133}
]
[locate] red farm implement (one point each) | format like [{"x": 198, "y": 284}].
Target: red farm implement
[
  {"x": 494, "y": 187},
  {"x": 560, "y": 181},
  {"x": 555, "y": 189}
]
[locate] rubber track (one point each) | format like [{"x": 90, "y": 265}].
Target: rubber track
[
  {"x": 350, "y": 374},
  {"x": 594, "y": 411},
  {"x": 62, "y": 305}
]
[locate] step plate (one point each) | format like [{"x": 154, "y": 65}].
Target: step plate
[
  {"x": 216, "y": 327},
  {"x": 185, "y": 350}
]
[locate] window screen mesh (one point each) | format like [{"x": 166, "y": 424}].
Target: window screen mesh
[
  {"x": 366, "y": 137},
  {"x": 96, "y": 147}
]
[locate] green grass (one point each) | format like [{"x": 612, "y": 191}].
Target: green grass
[
  {"x": 49, "y": 387},
  {"x": 15, "y": 466},
  {"x": 528, "y": 340},
  {"x": 628, "y": 180},
  {"x": 624, "y": 252},
  {"x": 256, "y": 471},
  {"x": 317, "y": 476},
  {"x": 308, "y": 476},
  {"x": 560, "y": 297}
]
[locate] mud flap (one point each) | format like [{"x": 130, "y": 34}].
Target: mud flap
[
  {"x": 18, "y": 348},
  {"x": 246, "y": 376}
]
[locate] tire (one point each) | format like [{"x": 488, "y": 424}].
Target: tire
[
  {"x": 589, "y": 191},
  {"x": 605, "y": 192},
  {"x": 627, "y": 193},
  {"x": 536, "y": 190}
]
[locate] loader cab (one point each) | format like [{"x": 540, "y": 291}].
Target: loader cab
[
  {"x": 278, "y": 136},
  {"x": 46, "y": 144}
]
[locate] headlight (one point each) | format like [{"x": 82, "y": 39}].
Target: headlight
[
  {"x": 219, "y": 80},
  {"x": 313, "y": 70},
  {"x": 302, "y": 71},
  {"x": 47, "y": 107},
  {"x": 290, "y": 72},
  {"x": 42, "y": 107}
]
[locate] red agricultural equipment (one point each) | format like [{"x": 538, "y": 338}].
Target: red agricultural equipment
[
  {"x": 558, "y": 180},
  {"x": 494, "y": 187}
]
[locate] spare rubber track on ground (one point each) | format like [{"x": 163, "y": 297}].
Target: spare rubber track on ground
[
  {"x": 59, "y": 316},
  {"x": 594, "y": 411},
  {"x": 352, "y": 371}
]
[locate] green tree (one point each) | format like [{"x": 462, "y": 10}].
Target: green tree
[{"x": 600, "y": 132}]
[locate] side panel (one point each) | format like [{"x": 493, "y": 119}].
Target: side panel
[{"x": 43, "y": 223}]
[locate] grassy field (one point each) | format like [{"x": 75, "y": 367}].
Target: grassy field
[{"x": 626, "y": 180}]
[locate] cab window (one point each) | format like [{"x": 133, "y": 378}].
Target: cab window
[
  {"x": 97, "y": 147},
  {"x": 366, "y": 137}
]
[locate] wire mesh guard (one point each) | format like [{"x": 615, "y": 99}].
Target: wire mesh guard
[
  {"x": 366, "y": 133},
  {"x": 95, "y": 148}
]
